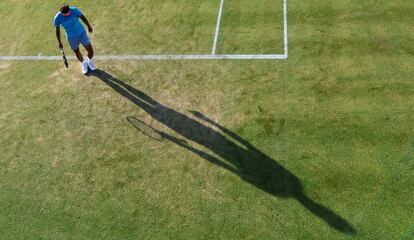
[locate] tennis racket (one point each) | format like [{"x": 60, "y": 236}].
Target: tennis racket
[{"x": 65, "y": 60}]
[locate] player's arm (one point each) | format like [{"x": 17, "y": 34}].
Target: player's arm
[
  {"x": 85, "y": 20},
  {"x": 58, "y": 37}
]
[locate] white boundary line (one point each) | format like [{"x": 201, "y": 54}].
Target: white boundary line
[
  {"x": 285, "y": 28},
  {"x": 151, "y": 57},
  {"x": 212, "y": 56},
  {"x": 216, "y": 35}
]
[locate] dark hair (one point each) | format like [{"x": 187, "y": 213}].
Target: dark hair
[{"x": 64, "y": 8}]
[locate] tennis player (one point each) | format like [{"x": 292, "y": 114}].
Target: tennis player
[{"x": 68, "y": 17}]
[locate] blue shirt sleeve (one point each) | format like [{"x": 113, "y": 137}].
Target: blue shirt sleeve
[
  {"x": 76, "y": 12},
  {"x": 56, "y": 21}
]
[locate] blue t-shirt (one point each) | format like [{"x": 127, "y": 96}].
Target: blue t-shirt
[{"x": 71, "y": 24}]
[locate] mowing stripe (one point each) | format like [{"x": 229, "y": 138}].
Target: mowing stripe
[
  {"x": 398, "y": 169},
  {"x": 216, "y": 35},
  {"x": 152, "y": 57}
]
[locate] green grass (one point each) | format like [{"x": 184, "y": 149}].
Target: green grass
[
  {"x": 252, "y": 27},
  {"x": 335, "y": 121}
]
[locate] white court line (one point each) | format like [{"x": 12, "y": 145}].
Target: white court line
[
  {"x": 216, "y": 35},
  {"x": 285, "y": 28},
  {"x": 153, "y": 57},
  {"x": 212, "y": 56}
]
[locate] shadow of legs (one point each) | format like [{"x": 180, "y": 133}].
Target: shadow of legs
[{"x": 325, "y": 214}]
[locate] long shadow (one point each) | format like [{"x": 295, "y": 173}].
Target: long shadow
[{"x": 243, "y": 159}]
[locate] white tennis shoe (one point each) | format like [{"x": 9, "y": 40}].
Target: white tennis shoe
[
  {"x": 84, "y": 67},
  {"x": 91, "y": 65}
]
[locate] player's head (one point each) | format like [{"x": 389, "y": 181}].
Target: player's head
[{"x": 65, "y": 10}]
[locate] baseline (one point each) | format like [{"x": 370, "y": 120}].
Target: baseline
[{"x": 152, "y": 57}]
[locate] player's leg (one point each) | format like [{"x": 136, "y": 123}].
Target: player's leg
[
  {"x": 86, "y": 42},
  {"x": 78, "y": 55},
  {"x": 83, "y": 62},
  {"x": 74, "y": 43},
  {"x": 89, "y": 48},
  {"x": 89, "y": 60}
]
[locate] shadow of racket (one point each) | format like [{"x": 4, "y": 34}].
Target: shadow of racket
[{"x": 146, "y": 129}]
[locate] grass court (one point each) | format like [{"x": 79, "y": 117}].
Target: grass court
[{"x": 316, "y": 146}]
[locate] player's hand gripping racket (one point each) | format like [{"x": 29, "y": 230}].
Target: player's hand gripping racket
[{"x": 65, "y": 60}]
